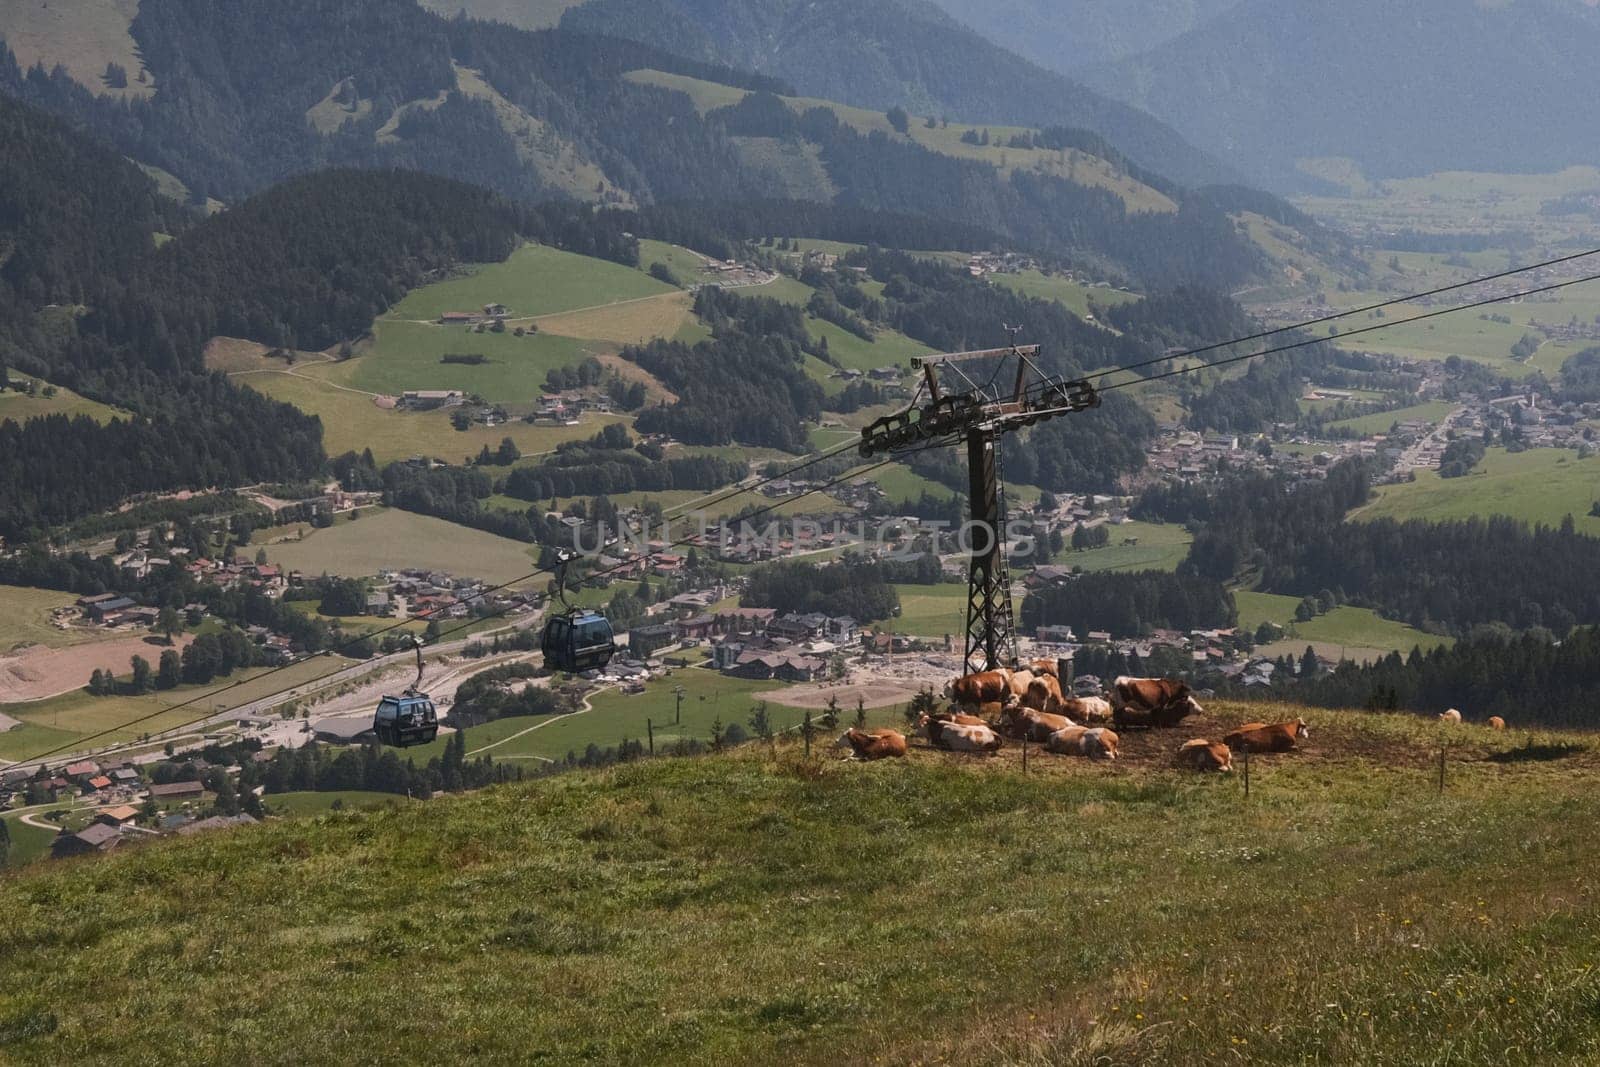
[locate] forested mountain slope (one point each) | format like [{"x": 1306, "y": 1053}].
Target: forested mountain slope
[
  {"x": 887, "y": 53},
  {"x": 1403, "y": 89},
  {"x": 1065, "y": 34},
  {"x": 251, "y": 94}
]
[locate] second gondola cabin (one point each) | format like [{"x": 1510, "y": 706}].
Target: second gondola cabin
[
  {"x": 407, "y": 720},
  {"x": 578, "y": 641}
]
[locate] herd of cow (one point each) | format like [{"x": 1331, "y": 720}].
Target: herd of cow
[{"x": 1028, "y": 705}]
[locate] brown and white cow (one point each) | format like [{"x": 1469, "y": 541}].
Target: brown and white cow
[
  {"x": 1026, "y": 724},
  {"x": 1496, "y": 723},
  {"x": 956, "y": 738},
  {"x": 1274, "y": 737},
  {"x": 985, "y": 687},
  {"x": 1043, "y": 694},
  {"x": 1044, "y": 666},
  {"x": 1450, "y": 716},
  {"x": 873, "y": 744},
  {"x": 1203, "y": 755},
  {"x": 1019, "y": 681},
  {"x": 1095, "y": 742},
  {"x": 1086, "y": 709},
  {"x": 961, "y": 718},
  {"x": 1152, "y": 701}
]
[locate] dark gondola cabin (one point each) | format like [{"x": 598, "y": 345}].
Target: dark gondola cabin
[
  {"x": 577, "y": 641},
  {"x": 406, "y": 720}
]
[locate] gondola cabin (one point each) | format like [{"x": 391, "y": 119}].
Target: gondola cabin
[
  {"x": 578, "y": 641},
  {"x": 406, "y": 720}
]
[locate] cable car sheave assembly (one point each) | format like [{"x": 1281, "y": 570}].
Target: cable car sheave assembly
[{"x": 981, "y": 414}]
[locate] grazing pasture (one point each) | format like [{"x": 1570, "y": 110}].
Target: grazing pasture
[
  {"x": 395, "y": 539},
  {"x": 1541, "y": 485}
]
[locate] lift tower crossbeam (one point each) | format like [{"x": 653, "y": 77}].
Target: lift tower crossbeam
[{"x": 980, "y": 414}]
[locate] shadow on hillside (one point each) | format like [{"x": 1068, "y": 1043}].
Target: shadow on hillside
[{"x": 1531, "y": 753}]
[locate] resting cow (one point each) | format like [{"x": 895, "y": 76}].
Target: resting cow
[
  {"x": 985, "y": 687},
  {"x": 1496, "y": 723},
  {"x": 1451, "y": 716},
  {"x": 960, "y": 718},
  {"x": 1152, "y": 701},
  {"x": 1203, "y": 755},
  {"x": 1260, "y": 737},
  {"x": 1086, "y": 709},
  {"x": 873, "y": 744},
  {"x": 1028, "y": 725},
  {"x": 960, "y": 738},
  {"x": 1095, "y": 742}
]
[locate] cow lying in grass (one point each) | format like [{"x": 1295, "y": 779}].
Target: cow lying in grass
[
  {"x": 1085, "y": 709},
  {"x": 1203, "y": 755},
  {"x": 1496, "y": 723},
  {"x": 1094, "y": 742},
  {"x": 1152, "y": 701},
  {"x": 1026, "y": 724},
  {"x": 872, "y": 744},
  {"x": 954, "y": 737},
  {"x": 1451, "y": 716},
  {"x": 1265, "y": 737}
]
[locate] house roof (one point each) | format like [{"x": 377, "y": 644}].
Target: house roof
[
  {"x": 177, "y": 789},
  {"x": 121, "y": 813},
  {"x": 97, "y": 834},
  {"x": 100, "y": 781}
]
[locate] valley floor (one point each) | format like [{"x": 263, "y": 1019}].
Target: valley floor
[{"x": 756, "y": 905}]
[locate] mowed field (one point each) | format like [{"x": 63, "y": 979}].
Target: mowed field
[
  {"x": 1540, "y": 485},
  {"x": 351, "y": 421},
  {"x": 20, "y": 407},
  {"x": 533, "y": 280},
  {"x": 395, "y": 539},
  {"x": 25, "y": 619},
  {"x": 407, "y": 355},
  {"x": 758, "y": 906},
  {"x": 1080, "y": 299},
  {"x": 1433, "y": 411},
  {"x": 1160, "y": 547}
]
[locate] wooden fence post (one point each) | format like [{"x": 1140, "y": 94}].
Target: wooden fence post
[
  {"x": 806, "y": 730},
  {"x": 650, "y": 728}
]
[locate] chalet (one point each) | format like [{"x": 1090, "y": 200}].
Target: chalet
[
  {"x": 665, "y": 564},
  {"x": 797, "y": 627},
  {"x": 695, "y": 627},
  {"x": 1100, "y": 637},
  {"x": 884, "y": 374},
  {"x": 216, "y": 822},
  {"x": 125, "y": 776},
  {"x": 177, "y": 791},
  {"x": 108, "y": 609},
  {"x": 457, "y": 318},
  {"x": 86, "y": 602},
  {"x": 1055, "y": 635},
  {"x": 647, "y": 640},
  {"x": 429, "y": 399},
  {"x": 81, "y": 771},
  {"x": 118, "y": 816},
  {"x": 98, "y": 782},
  {"x": 96, "y": 837}
]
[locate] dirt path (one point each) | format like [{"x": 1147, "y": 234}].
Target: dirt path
[{"x": 585, "y": 707}]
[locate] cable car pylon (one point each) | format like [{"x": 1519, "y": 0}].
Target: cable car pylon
[{"x": 981, "y": 414}]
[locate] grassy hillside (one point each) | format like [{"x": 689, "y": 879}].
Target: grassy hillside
[
  {"x": 21, "y": 406},
  {"x": 1540, "y": 485},
  {"x": 743, "y": 908},
  {"x": 1074, "y": 165},
  {"x": 395, "y": 539}
]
